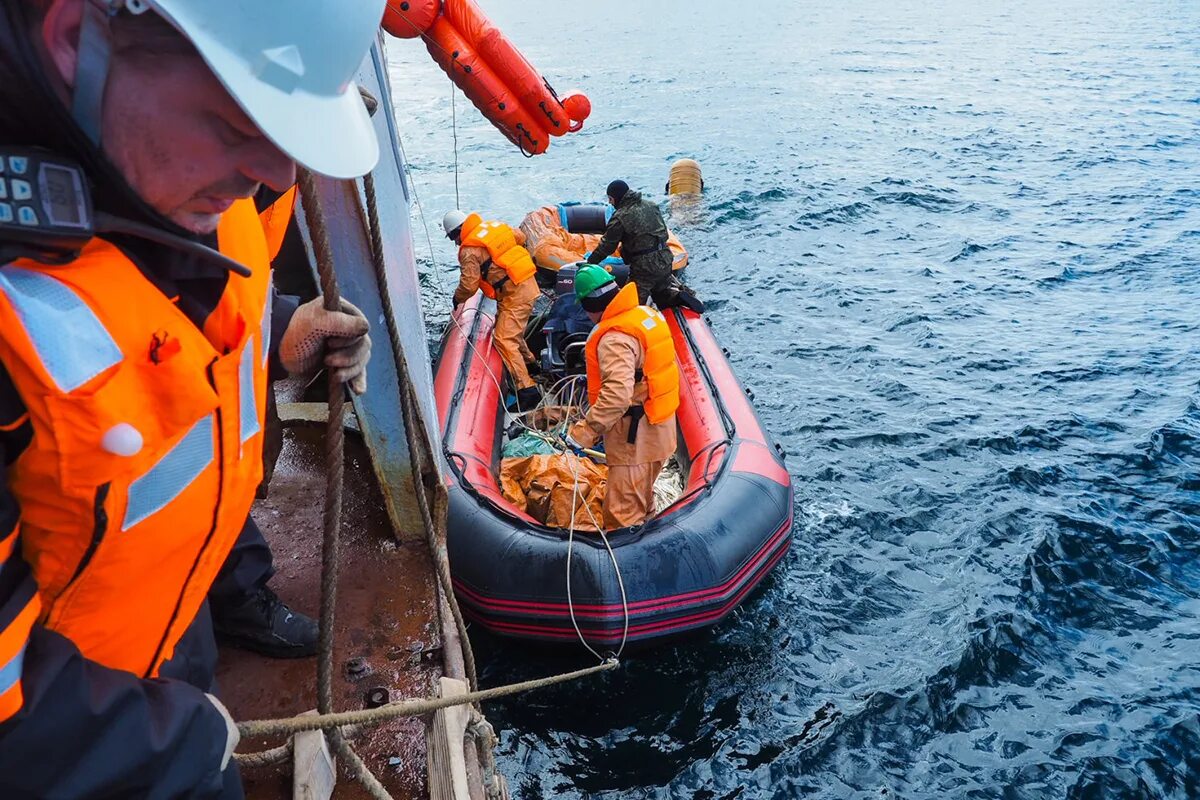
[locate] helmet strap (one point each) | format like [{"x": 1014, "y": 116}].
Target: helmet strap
[
  {"x": 91, "y": 67},
  {"x": 94, "y": 60}
]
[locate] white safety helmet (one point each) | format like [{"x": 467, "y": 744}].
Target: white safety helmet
[
  {"x": 290, "y": 65},
  {"x": 452, "y": 222}
]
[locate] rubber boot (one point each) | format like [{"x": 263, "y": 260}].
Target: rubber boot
[{"x": 526, "y": 400}]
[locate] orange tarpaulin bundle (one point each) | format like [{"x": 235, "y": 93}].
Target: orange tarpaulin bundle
[
  {"x": 544, "y": 485},
  {"x": 549, "y": 242}
]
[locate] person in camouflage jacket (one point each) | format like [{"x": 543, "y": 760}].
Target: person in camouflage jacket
[{"x": 638, "y": 227}]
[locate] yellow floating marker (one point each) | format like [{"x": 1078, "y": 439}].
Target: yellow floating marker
[{"x": 685, "y": 177}]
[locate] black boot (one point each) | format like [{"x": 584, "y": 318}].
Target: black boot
[
  {"x": 527, "y": 399},
  {"x": 264, "y": 624}
]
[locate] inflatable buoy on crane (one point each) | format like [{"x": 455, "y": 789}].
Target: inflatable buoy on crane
[{"x": 489, "y": 70}]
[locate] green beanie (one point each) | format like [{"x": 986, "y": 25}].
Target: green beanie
[{"x": 589, "y": 278}]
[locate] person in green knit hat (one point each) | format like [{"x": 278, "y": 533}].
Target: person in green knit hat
[{"x": 633, "y": 393}]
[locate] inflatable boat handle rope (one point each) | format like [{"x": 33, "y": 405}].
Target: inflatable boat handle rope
[
  {"x": 596, "y": 456},
  {"x": 326, "y": 719}
]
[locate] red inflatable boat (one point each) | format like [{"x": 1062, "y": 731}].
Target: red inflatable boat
[{"x": 683, "y": 570}]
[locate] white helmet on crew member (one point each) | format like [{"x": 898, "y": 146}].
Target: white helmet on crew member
[
  {"x": 452, "y": 222},
  {"x": 290, "y": 65}
]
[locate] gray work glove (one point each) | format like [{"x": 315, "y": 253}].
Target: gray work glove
[
  {"x": 341, "y": 336},
  {"x": 232, "y": 737}
]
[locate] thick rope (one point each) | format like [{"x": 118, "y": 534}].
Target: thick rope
[
  {"x": 409, "y": 708},
  {"x": 484, "y": 736},
  {"x": 278, "y": 755},
  {"x": 418, "y": 447},
  {"x": 454, "y": 128},
  {"x": 361, "y": 772},
  {"x": 335, "y": 433},
  {"x": 334, "y": 448},
  {"x": 265, "y": 758}
]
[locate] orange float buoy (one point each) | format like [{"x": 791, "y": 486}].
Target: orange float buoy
[
  {"x": 489, "y": 70},
  {"x": 578, "y": 108},
  {"x": 408, "y": 19}
]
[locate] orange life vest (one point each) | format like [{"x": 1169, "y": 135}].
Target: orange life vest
[
  {"x": 648, "y": 327},
  {"x": 502, "y": 247},
  {"x": 147, "y": 439}
]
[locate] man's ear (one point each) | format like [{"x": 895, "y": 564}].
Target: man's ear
[{"x": 60, "y": 36}]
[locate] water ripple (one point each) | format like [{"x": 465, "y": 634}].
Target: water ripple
[{"x": 954, "y": 250}]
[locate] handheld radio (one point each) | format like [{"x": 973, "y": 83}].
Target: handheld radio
[
  {"x": 44, "y": 202},
  {"x": 46, "y": 213}
]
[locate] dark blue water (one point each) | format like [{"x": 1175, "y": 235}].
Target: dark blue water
[{"x": 955, "y": 250}]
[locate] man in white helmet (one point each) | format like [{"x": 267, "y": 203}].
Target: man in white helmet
[
  {"x": 492, "y": 258},
  {"x": 134, "y": 368}
]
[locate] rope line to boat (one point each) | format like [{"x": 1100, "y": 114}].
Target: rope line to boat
[
  {"x": 419, "y": 447},
  {"x": 556, "y": 443},
  {"x": 454, "y": 131},
  {"x": 425, "y": 480},
  {"x": 412, "y": 182},
  {"x": 410, "y": 708},
  {"x": 612, "y": 556}
]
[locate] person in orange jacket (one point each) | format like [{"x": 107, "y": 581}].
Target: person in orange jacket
[
  {"x": 492, "y": 258},
  {"x": 633, "y": 393},
  {"x": 133, "y": 370}
]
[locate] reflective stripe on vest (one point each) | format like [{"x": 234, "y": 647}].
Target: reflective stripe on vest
[
  {"x": 173, "y": 473},
  {"x": 10, "y": 673},
  {"x": 658, "y": 351},
  {"x": 13, "y": 640},
  {"x": 265, "y": 329},
  {"x": 501, "y": 243},
  {"x": 70, "y": 341},
  {"x": 247, "y": 394},
  {"x": 139, "y": 478}
]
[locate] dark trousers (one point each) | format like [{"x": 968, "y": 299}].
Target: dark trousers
[
  {"x": 652, "y": 274},
  {"x": 247, "y": 569}
]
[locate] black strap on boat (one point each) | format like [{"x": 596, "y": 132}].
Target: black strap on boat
[{"x": 639, "y": 253}]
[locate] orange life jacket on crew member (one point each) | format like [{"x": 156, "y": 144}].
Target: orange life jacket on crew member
[
  {"x": 502, "y": 247},
  {"x": 648, "y": 327},
  {"x": 147, "y": 439}
]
